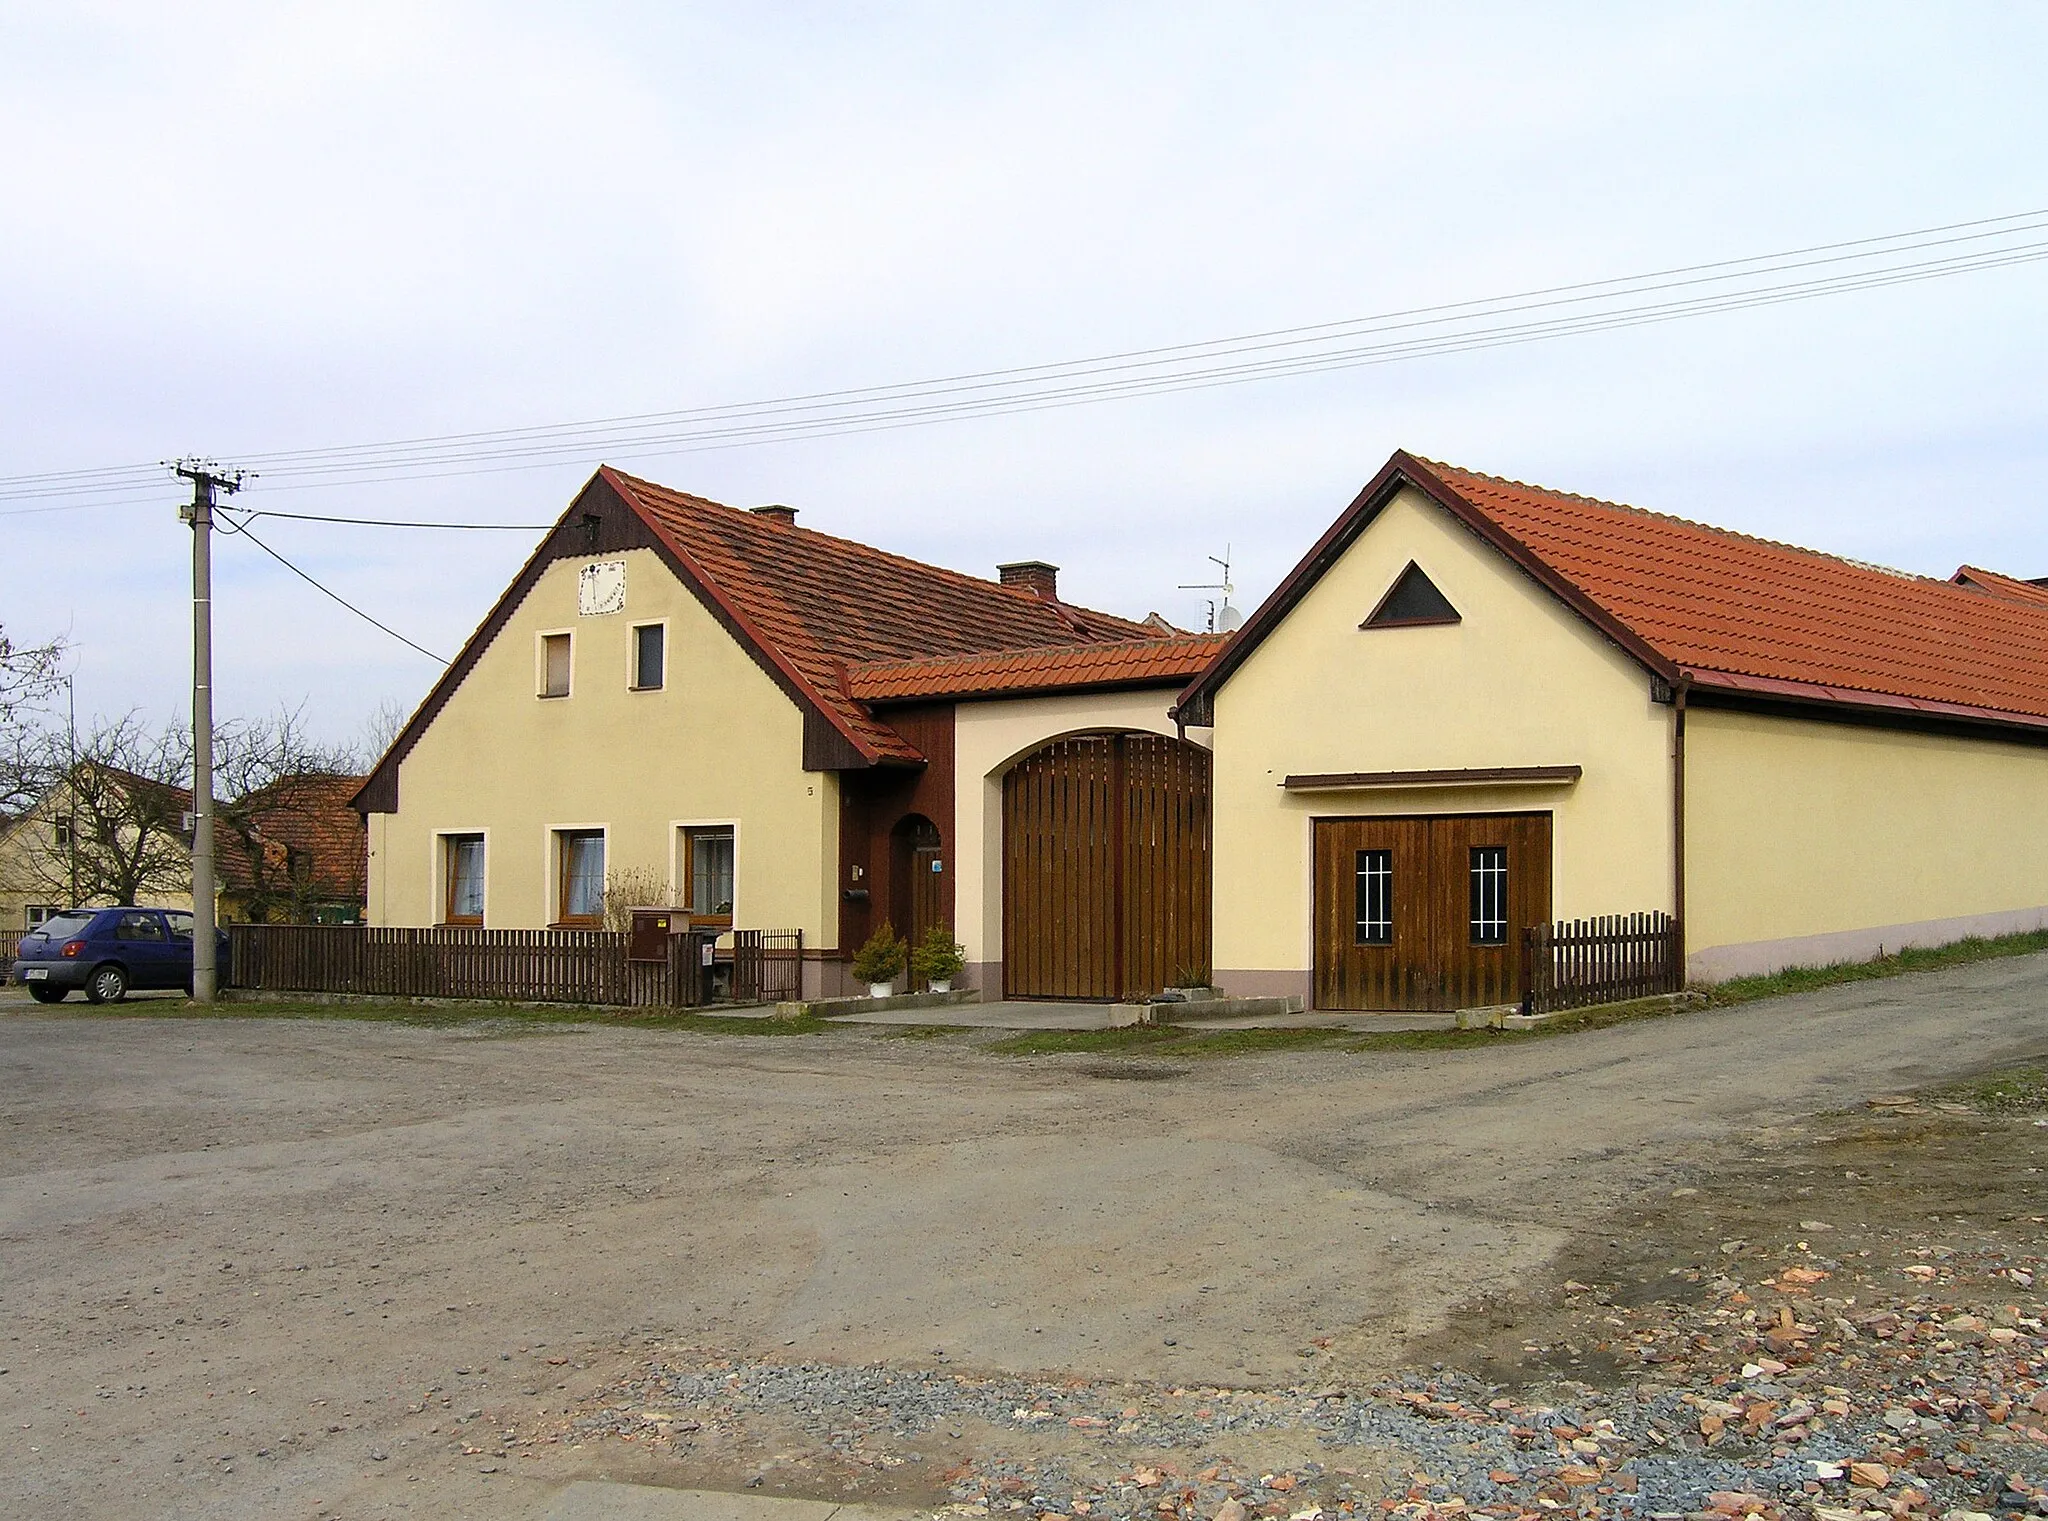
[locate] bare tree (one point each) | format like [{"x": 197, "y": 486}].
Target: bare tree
[
  {"x": 110, "y": 815},
  {"x": 110, "y": 820},
  {"x": 28, "y": 675},
  {"x": 381, "y": 729},
  {"x": 277, "y": 785}
]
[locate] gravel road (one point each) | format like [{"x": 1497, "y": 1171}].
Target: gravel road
[{"x": 270, "y": 1267}]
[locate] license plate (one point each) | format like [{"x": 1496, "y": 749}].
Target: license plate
[{"x": 35, "y": 974}]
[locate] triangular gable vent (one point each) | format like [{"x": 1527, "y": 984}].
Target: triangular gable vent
[{"x": 1412, "y": 599}]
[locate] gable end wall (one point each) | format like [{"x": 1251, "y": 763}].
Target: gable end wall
[
  {"x": 721, "y": 742},
  {"x": 1520, "y": 680}
]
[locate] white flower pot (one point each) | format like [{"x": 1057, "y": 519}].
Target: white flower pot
[
  {"x": 942, "y": 984},
  {"x": 881, "y": 989}
]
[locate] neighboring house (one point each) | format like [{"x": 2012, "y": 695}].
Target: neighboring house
[
  {"x": 101, "y": 835},
  {"x": 292, "y": 852},
  {"x": 1473, "y": 706}
]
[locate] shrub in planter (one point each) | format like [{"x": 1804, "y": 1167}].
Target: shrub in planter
[
  {"x": 880, "y": 961},
  {"x": 939, "y": 959}
]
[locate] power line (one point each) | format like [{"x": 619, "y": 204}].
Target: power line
[
  {"x": 626, "y": 434},
  {"x": 315, "y": 517},
  {"x": 243, "y": 530},
  {"x": 1454, "y": 327},
  {"x": 742, "y": 434}
]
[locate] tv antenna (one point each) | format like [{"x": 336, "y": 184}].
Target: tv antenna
[{"x": 1223, "y": 619}]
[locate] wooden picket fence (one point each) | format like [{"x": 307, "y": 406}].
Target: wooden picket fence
[
  {"x": 1609, "y": 959},
  {"x": 537, "y": 966}
]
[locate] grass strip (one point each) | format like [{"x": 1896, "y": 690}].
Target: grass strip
[
  {"x": 2013, "y": 1090},
  {"x": 1807, "y": 979}
]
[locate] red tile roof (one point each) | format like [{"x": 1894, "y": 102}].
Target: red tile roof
[
  {"x": 1720, "y": 604},
  {"x": 1124, "y": 663},
  {"x": 819, "y": 604},
  {"x": 309, "y": 815},
  {"x": 1996, "y": 585},
  {"x": 1722, "y": 609}
]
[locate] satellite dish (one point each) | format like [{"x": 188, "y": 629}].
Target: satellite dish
[{"x": 1228, "y": 619}]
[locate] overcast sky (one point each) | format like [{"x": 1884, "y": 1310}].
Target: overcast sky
[{"x": 240, "y": 228}]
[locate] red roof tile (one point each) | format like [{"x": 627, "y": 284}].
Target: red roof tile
[
  {"x": 311, "y": 816},
  {"x": 1130, "y": 662},
  {"x": 1723, "y": 609},
  {"x": 1991, "y": 582},
  {"x": 819, "y": 604},
  {"x": 1713, "y": 601}
]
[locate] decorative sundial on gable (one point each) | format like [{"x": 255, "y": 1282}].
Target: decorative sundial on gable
[{"x": 601, "y": 589}]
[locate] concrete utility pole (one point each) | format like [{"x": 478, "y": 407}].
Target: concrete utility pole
[{"x": 206, "y": 478}]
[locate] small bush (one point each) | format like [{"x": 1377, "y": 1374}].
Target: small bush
[
  {"x": 632, "y": 887},
  {"x": 940, "y": 958},
  {"x": 882, "y": 959}
]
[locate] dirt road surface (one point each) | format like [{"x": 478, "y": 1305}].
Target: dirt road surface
[{"x": 254, "y": 1267}]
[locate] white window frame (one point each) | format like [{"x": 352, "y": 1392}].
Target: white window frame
[
  {"x": 437, "y": 872},
  {"x": 552, "y": 876},
  {"x": 676, "y": 835},
  {"x": 633, "y": 654},
  {"x": 540, "y": 663}
]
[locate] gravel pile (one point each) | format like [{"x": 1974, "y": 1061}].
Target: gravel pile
[{"x": 1766, "y": 1396}]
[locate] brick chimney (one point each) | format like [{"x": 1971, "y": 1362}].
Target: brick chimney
[
  {"x": 780, "y": 516},
  {"x": 1034, "y": 576}
]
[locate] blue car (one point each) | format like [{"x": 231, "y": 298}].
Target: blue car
[{"x": 105, "y": 952}]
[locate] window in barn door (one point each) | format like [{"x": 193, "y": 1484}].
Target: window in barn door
[
  {"x": 1489, "y": 894},
  {"x": 1375, "y": 897}
]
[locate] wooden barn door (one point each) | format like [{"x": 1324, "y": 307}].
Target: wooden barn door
[
  {"x": 1426, "y": 913},
  {"x": 1105, "y": 867}
]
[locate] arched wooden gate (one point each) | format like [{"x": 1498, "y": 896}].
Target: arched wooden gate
[{"x": 1105, "y": 867}]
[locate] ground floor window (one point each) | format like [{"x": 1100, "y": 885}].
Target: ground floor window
[
  {"x": 1489, "y": 894},
  {"x": 708, "y": 865},
  {"x": 36, "y": 913},
  {"x": 1375, "y": 895},
  {"x": 463, "y": 871},
  {"x": 580, "y": 872}
]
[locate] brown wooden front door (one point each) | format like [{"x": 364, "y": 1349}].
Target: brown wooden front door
[
  {"x": 1427, "y": 913},
  {"x": 1105, "y": 867}
]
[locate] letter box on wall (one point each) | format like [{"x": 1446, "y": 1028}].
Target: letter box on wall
[{"x": 648, "y": 939}]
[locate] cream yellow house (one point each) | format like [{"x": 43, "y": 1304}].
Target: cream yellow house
[
  {"x": 1476, "y": 705},
  {"x": 722, "y": 711},
  {"x": 101, "y": 835},
  {"x": 1473, "y": 707}
]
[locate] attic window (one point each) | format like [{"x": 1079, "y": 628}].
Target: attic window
[{"x": 1412, "y": 601}]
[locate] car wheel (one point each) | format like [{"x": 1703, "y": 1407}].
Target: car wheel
[
  {"x": 108, "y": 984},
  {"x": 42, "y": 993}
]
